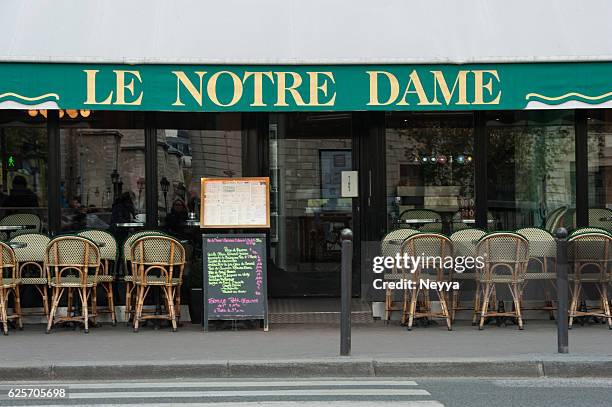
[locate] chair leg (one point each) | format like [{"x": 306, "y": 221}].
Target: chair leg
[
  {"x": 445, "y": 313},
  {"x": 128, "y": 301},
  {"x": 139, "y": 301},
  {"x": 111, "y": 302},
  {"x": 169, "y": 292},
  {"x": 45, "y": 298},
  {"x": 17, "y": 307},
  {"x": 413, "y": 302},
  {"x": 93, "y": 291},
  {"x": 84, "y": 305},
  {"x": 69, "y": 305},
  {"x": 516, "y": 297},
  {"x": 477, "y": 299},
  {"x": 485, "y": 304},
  {"x": 606, "y": 304},
  {"x": 57, "y": 293},
  {"x": 3, "y": 311},
  {"x": 574, "y": 303}
]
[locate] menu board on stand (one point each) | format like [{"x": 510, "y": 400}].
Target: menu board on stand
[
  {"x": 234, "y": 264},
  {"x": 235, "y": 203}
]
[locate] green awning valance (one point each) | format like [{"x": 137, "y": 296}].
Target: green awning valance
[{"x": 214, "y": 88}]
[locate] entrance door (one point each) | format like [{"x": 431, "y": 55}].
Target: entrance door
[{"x": 307, "y": 154}]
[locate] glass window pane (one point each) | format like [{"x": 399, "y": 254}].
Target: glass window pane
[
  {"x": 531, "y": 169},
  {"x": 23, "y": 180},
  {"x": 600, "y": 168},
  {"x": 430, "y": 171},
  {"x": 102, "y": 172}
]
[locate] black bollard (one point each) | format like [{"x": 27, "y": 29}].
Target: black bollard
[
  {"x": 562, "y": 291},
  {"x": 346, "y": 292}
]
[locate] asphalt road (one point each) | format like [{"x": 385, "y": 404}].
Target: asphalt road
[{"x": 342, "y": 392}]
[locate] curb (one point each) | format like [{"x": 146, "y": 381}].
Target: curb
[{"x": 337, "y": 367}]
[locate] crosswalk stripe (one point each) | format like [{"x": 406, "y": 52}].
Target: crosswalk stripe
[
  {"x": 253, "y": 393},
  {"x": 327, "y": 403},
  {"x": 188, "y": 384}
]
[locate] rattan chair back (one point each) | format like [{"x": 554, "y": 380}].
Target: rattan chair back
[
  {"x": 31, "y": 257},
  {"x": 553, "y": 219},
  {"x": 589, "y": 252},
  {"x": 74, "y": 256},
  {"x": 505, "y": 256},
  {"x": 127, "y": 245},
  {"x": 389, "y": 245},
  {"x": 427, "y": 246},
  {"x": 8, "y": 266},
  {"x": 464, "y": 241},
  {"x": 157, "y": 255},
  {"x": 541, "y": 242},
  {"x": 109, "y": 250}
]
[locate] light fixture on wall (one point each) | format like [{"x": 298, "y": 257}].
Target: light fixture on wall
[{"x": 71, "y": 113}]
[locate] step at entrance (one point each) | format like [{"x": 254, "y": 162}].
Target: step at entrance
[{"x": 315, "y": 311}]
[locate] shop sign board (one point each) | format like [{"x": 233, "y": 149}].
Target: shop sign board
[
  {"x": 234, "y": 275},
  {"x": 221, "y": 88}
]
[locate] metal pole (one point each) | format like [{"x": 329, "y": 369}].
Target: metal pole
[
  {"x": 562, "y": 291},
  {"x": 346, "y": 289}
]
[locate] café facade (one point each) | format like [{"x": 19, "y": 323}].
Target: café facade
[{"x": 478, "y": 121}]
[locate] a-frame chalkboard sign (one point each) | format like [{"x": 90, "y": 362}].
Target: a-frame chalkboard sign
[{"x": 234, "y": 277}]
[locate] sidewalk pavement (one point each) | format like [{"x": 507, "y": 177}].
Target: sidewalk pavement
[{"x": 303, "y": 351}]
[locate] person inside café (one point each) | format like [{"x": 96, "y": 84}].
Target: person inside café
[
  {"x": 20, "y": 195},
  {"x": 175, "y": 220}
]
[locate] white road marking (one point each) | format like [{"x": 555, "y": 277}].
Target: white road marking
[
  {"x": 191, "y": 384},
  {"x": 415, "y": 403},
  {"x": 252, "y": 393}
]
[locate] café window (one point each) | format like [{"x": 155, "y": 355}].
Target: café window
[{"x": 23, "y": 179}]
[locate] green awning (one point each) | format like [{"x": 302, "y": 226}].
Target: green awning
[{"x": 215, "y": 88}]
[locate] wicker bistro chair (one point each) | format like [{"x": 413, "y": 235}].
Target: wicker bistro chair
[
  {"x": 9, "y": 283},
  {"x": 587, "y": 230},
  {"x": 589, "y": 254},
  {"x": 425, "y": 245},
  {"x": 505, "y": 262},
  {"x": 17, "y": 219},
  {"x": 128, "y": 276},
  {"x": 72, "y": 263},
  {"x": 389, "y": 247},
  {"x": 542, "y": 252},
  {"x": 158, "y": 261},
  {"x": 417, "y": 214},
  {"x": 464, "y": 245},
  {"x": 595, "y": 218},
  {"x": 554, "y": 219},
  {"x": 31, "y": 265},
  {"x": 108, "y": 260}
]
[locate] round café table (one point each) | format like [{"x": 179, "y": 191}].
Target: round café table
[{"x": 14, "y": 228}]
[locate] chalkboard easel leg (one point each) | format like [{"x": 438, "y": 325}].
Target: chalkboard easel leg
[{"x": 265, "y": 321}]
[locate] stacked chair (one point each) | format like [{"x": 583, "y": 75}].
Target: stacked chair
[
  {"x": 589, "y": 255},
  {"x": 464, "y": 244},
  {"x": 128, "y": 274},
  {"x": 106, "y": 277},
  {"x": 542, "y": 254},
  {"x": 389, "y": 247},
  {"x": 505, "y": 257},
  {"x": 427, "y": 244},
  {"x": 157, "y": 261},
  {"x": 73, "y": 264},
  {"x": 31, "y": 262}
]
